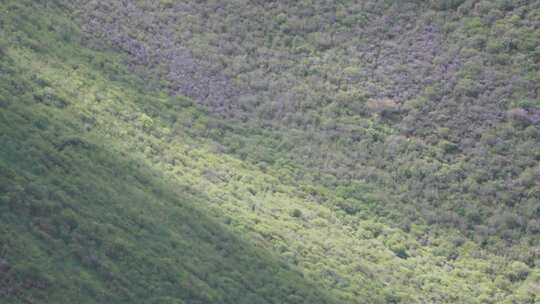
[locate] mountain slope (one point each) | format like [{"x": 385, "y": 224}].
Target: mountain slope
[
  {"x": 112, "y": 191},
  {"x": 433, "y": 104},
  {"x": 86, "y": 221}
]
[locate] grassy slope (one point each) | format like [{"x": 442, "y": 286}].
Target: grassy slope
[
  {"x": 94, "y": 221},
  {"x": 108, "y": 196}
]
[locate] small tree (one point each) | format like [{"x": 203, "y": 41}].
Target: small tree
[
  {"x": 519, "y": 117},
  {"x": 385, "y": 107}
]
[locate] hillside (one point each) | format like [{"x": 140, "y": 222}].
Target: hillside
[
  {"x": 269, "y": 152},
  {"x": 435, "y": 104}
]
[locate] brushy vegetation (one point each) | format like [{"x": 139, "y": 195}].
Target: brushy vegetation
[
  {"x": 433, "y": 104},
  {"x": 407, "y": 170}
]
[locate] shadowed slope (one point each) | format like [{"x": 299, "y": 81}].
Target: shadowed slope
[
  {"x": 84, "y": 221},
  {"x": 86, "y": 226}
]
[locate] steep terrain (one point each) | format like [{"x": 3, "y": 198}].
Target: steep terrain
[
  {"x": 432, "y": 103},
  {"x": 269, "y": 152}
]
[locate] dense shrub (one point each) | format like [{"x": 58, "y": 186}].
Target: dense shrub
[
  {"x": 296, "y": 213},
  {"x": 518, "y": 271},
  {"x": 519, "y": 116},
  {"x": 446, "y": 4},
  {"x": 385, "y": 107},
  {"x": 3, "y": 47}
]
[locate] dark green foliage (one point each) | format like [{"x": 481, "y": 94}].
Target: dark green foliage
[
  {"x": 72, "y": 142},
  {"x": 3, "y": 47},
  {"x": 296, "y": 213}
]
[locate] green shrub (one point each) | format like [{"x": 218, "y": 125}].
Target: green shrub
[
  {"x": 444, "y": 5},
  {"x": 73, "y": 141},
  {"x": 167, "y": 3},
  {"x": 386, "y": 108},
  {"x": 519, "y": 117},
  {"x": 145, "y": 122},
  {"x": 296, "y": 213},
  {"x": 448, "y": 147},
  {"x": 518, "y": 271},
  {"x": 3, "y": 47}
]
